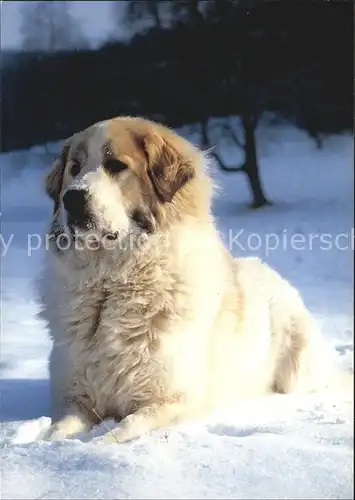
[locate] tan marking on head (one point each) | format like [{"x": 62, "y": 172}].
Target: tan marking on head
[{"x": 169, "y": 168}]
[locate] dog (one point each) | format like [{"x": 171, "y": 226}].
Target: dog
[{"x": 153, "y": 321}]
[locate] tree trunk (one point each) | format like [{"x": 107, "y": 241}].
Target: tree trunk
[{"x": 251, "y": 167}]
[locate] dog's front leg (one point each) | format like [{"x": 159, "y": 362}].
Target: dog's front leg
[
  {"x": 145, "y": 420},
  {"x": 70, "y": 424}
]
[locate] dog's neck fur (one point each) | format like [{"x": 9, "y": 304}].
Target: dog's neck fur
[
  {"x": 149, "y": 285},
  {"x": 148, "y": 259}
]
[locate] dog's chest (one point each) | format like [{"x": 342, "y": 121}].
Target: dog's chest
[{"x": 111, "y": 351}]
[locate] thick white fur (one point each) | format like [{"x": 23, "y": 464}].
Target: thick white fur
[{"x": 170, "y": 330}]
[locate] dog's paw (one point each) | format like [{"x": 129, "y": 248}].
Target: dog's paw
[
  {"x": 54, "y": 433},
  {"x": 66, "y": 428}
]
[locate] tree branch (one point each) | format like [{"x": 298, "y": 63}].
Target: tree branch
[
  {"x": 222, "y": 166},
  {"x": 234, "y": 169},
  {"x": 212, "y": 150}
]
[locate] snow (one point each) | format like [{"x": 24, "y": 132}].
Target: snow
[{"x": 273, "y": 447}]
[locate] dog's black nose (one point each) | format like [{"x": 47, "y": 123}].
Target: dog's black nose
[{"x": 75, "y": 202}]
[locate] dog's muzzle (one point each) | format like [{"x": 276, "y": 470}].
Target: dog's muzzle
[{"x": 76, "y": 204}]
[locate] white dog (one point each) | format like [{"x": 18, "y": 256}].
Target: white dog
[{"x": 152, "y": 320}]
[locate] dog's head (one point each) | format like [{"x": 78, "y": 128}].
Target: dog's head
[{"x": 121, "y": 177}]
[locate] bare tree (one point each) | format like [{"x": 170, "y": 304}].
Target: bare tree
[
  {"x": 49, "y": 26},
  {"x": 256, "y": 99}
]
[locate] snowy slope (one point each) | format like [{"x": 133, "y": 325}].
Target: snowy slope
[{"x": 275, "y": 447}]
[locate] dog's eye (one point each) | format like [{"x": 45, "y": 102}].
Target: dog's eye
[
  {"x": 114, "y": 166},
  {"x": 75, "y": 168}
]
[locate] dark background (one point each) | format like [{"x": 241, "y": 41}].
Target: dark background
[{"x": 185, "y": 63}]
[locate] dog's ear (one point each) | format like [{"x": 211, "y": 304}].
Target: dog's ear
[
  {"x": 168, "y": 170},
  {"x": 54, "y": 180}
]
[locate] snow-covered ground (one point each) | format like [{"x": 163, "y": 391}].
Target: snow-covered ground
[{"x": 275, "y": 447}]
